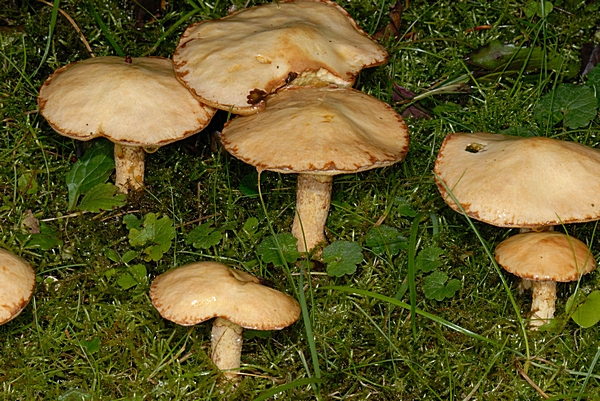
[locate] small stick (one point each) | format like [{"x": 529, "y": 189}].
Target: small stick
[{"x": 81, "y": 36}]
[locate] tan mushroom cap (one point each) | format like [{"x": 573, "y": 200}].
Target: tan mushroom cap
[
  {"x": 548, "y": 255},
  {"x": 197, "y": 292},
  {"x": 137, "y": 104},
  {"x": 511, "y": 181},
  {"x": 223, "y": 60},
  {"x": 17, "y": 281},
  {"x": 324, "y": 131}
]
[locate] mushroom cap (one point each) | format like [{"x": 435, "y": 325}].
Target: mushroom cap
[
  {"x": 137, "y": 104},
  {"x": 547, "y": 255},
  {"x": 257, "y": 48},
  {"x": 17, "y": 281},
  {"x": 511, "y": 181},
  {"x": 324, "y": 131},
  {"x": 199, "y": 291}
]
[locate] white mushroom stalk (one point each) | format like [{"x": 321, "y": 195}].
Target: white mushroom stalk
[
  {"x": 313, "y": 198},
  {"x": 226, "y": 346}
]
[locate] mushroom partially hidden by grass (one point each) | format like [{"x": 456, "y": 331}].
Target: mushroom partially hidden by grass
[
  {"x": 197, "y": 292},
  {"x": 137, "y": 103},
  {"x": 232, "y": 63},
  {"x": 317, "y": 133},
  {"x": 544, "y": 258},
  {"x": 17, "y": 281}
]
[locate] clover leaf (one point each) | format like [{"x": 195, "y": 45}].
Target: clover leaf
[
  {"x": 435, "y": 286},
  {"x": 342, "y": 257},
  {"x": 268, "y": 250}
]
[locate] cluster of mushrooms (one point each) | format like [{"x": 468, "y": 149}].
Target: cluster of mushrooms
[{"x": 287, "y": 69}]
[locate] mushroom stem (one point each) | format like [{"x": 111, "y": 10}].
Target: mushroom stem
[
  {"x": 313, "y": 197},
  {"x": 226, "y": 343},
  {"x": 543, "y": 304},
  {"x": 129, "y": 165}
]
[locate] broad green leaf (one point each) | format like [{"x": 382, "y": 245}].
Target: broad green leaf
[
  {"x": 127, "y": 281},
  {"x": 128, "y": 256},
  {"x": 156, "y": 235},
  {"x": 575, "y": 104},
  {"x": 269, "y": 252},
  {"x": 593, "y": 79},
  {"x": 404, "y": 207},
  {"x": 102, "y": 197},
  {"x": 250, "y": 226},
  {"x": 91, "y": 346},
  {"x": 383, "y": 239},
  {"x": 587, "y": 313},
  {"x": 249, "y": 183},
  {"x": 203, "y": 236},
  {"x": 535, "y": 7},
  {"x": 92, "y": 169},
  {"x": 428, "y": 259},
  {"x": 48, "y": 238},
  {"x": 342, "y": 257},
  {"x": 138, "y": 272},
  {"x": 27, "y": 184},
  {"x": 112, "y": 255},
  {"x": 131, "y": 221},
  {"x": 435, "y": 287}
]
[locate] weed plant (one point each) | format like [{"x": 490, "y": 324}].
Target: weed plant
[{"x": 90, "y": 331}]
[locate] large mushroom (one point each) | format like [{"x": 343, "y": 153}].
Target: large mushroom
[
  {"x": 317, "y": 133},
  {"x": 544, "y": 258},
  {"x": 232, "y": 63},
  {"x": 137, "y": 103},
  {"x": 197, "y": 292},
  {"x": 17, "y": 281},
  {"x": 530, "y": 183}
]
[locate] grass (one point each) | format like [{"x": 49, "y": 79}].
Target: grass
[{"x": 85, "y": 337}]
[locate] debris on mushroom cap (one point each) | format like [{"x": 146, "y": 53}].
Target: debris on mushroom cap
[
  {"x": 259, "y": 48},
  {"x": 17, "y": 281},
  {"x": 320, "y": 131},
  {"x": 140, "y": 103},
  {"x": 511, "y": 181},
  {"x": 197, "y": 292},
  {"x": 548, "y": 255}
]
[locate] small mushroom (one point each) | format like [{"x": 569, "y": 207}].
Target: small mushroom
[
  {"x": 137, "y": 103},
  {"x": 317, "y": 133},
  {"x": 544, "y": 258},
  {"x": 194, "y": 293},
  {"x": 17, "y": 281},
  {"x": 229, "y": 62}
]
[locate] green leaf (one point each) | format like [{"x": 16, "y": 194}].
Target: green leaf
[
  {"x": 127, "y": 281},
  {"x": 138, "y": 272},
  {"x": 404, "y": 207},
  {"x": 48, "y": 238},
  {"x": 27, "y": 184},
  {"x": 249, "y": 183},
  {"x": 156, "y": 235},
  {"x": 434, "y": 287},
  {"x": 128, "y": 256},
  {"x": 587, "y": 313},
  {"x": 342, "y": 257},
  {"x": 92, "y": 169},
  {"x": 91, "y": 346},
  {"x": 593, "y": 78},
  {"x": 428, "y": 259},
  {"x": 269, "y": 252},
  {"x": 203, "y": 236},
  {"x": 250, "y": 226},
  {"x": 102, "y": 197},
  {"x": 534, "y": 7},
  {"x": 575, "y": 104},
  {"x": 131, "y": 221},
  {"x": 383, "y": 239}
]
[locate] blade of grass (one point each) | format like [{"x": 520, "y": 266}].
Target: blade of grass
[
  {"x": 418, "y": 311},
  {"x": 104, "y": 28},
  {"x": 170, "y": 30},
  {"x": 53, "y": 19},
  {"x": 412, "y": 286},
  {"x": 279, "y": 389},
  {"x": 590, "y": 370}
]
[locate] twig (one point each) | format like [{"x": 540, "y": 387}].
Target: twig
[{"x": 528, "y": 379}]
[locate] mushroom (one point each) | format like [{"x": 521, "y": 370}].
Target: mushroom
[
  {"x": 137, "y": 103},
  {"x": 194, "y": 293},
  {"x": 544, "y": 258},
  {"x": 232, "y": 63},
  {"x": 530, "y": 183},
  {"x": 17, "y": 281},
  {"x": 317, "y": 133}
]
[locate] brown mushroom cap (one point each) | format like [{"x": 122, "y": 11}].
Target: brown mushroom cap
[
  {"x": 511, "y": 181},
  {"x": 548, "y": 255},
  {"x": 17, "y": 281},
  {"x": 197, "y": 292},
  {"x": 257, "y": 48},
  {"x": 324, "y": 131},
  {"x": 140, "y": 103}
]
